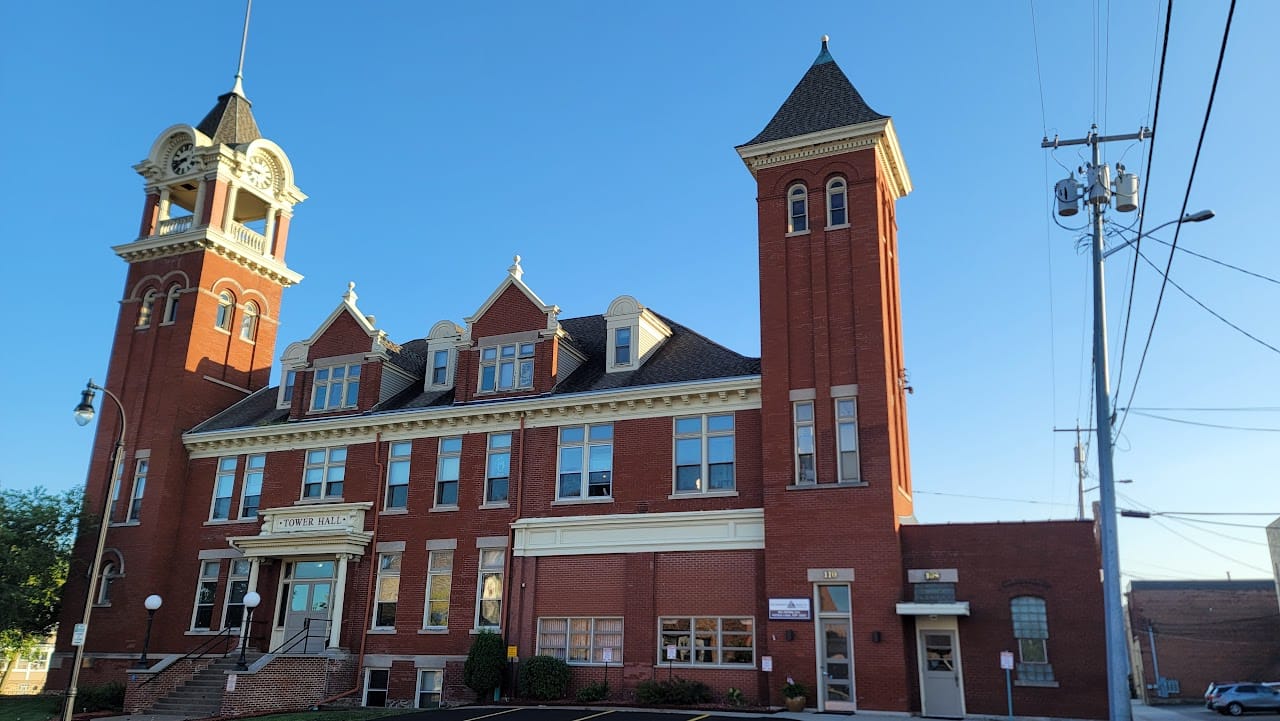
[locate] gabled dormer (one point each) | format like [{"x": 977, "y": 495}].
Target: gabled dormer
[
  {"x": 346, "y": 366},
  {"x": 632, "y": 334},
  {"x": 510, "y": 344}
]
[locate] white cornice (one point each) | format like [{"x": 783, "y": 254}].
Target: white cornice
[
  {"x": 210, "y": 239},
  {"x": 878, "y": 134},
  {"x": 736, "y": 529},
  {"x": 720, "y": 395}
]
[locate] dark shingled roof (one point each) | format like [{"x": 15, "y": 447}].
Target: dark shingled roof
[
  {"x": 685, "y": 356},
  {"x": 824, "y": 99},
  {"x": 231, "y": 120},
  {"x": 1215, "y": 585}
]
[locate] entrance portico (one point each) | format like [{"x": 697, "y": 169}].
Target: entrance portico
[
  {"x": 936, "y": 611},
  {"x": 315, "y": 543}
]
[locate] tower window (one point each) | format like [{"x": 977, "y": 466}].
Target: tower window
[
  {"x": 249, "y": 322},
  {"x": 139, "y": 487},
  {"x": 806, "y": 471},
  {"x": 145, "y": 310},
  {"x": 847, "y": 439},
  {"x": 798, "y": 209},
  {"x": 226, "y": 308},
  {"x": 171, "y": 304},
  {"x": 837, "y": 207}
]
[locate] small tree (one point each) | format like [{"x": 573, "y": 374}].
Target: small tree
[{"x": 482, "y": 672}]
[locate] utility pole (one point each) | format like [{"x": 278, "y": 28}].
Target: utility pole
[
  {"x": 1082, "y": 472},
  {"x": 1155, "y": 660},
  {"x": 1098, "y": 194}
]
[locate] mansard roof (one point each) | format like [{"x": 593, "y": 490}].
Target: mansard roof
[
  {"x": 823, "y": 99},
  {"x": 686, "y": 356}
]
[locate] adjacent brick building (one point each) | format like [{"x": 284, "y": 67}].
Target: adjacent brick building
[
  {"x": 614, "y": 489},
  {"x": 1202, "y": 631}
]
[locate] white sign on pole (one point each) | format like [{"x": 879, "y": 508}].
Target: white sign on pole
[
  {"x": 77, "y": 635},
  {"x": 1006, "y": 660},
  {"x": 606, "y": 654},
  {"x": 766, "y": 663},
  {"x": 671, "y": 652}
]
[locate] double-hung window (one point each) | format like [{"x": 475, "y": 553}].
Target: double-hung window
[
  {"x": 251, "y": 493},
  {"x": 223, "y": 486},
  {"x": 249, "y": 322},
  {"x": 704, "y": 453},
  {"x": 806, "y": 470},
  {"x": 376, "y": 683},
  {"x": 387, "y": 593},
  {"x": 447, "y": 469},
  {"x": 336, "y": 387},
  {"x": 581, "y": 640},
  {"x": 116, "y": 483},
  {"x": 439, "y": 586},
  {"x": 286, "y": 390},
  {"x": 326, "y": 470},
  {"x": 837, "y": 207},
  {"x": 498, "y": 469},
  {"x": 206, "y": 596},
  {"x": 237, "y": 587},
  {"x": 398, "y": 475},
  {"x": 226, "y": 308},
  {"x": 798, "y": 209},
  {"x": 139, "y": 488},
  {"x": 506, "y": 367},
  {"x": 847, "y": 439},
  {"x": 1031, "y": 628},
  {"x": 586, "y": 451},
  {"x": 489, "y": 589},
  {"x": 622, "y": 346},
  {"x": 439, "y": 367},
  {"x": 430, "y": 685},
  {"x": 708, "y": 640}
]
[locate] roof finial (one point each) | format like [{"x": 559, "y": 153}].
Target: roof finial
[
  {"x": 244, "y": 40},
  {"x": 515, "y": 270},
  {"x": 824, "y": 56},
  {"x": 350, "y": 296}
]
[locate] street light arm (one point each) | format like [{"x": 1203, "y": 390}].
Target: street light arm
[{"x": 1196, "y": 217}]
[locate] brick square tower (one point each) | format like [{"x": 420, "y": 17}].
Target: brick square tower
[
  {"x": 837, "y": 481},
  {"x": 195, "y": 334}
]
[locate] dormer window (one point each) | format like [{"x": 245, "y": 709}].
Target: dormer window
[
  {"x": 249, "y": 322},
  {"x": 144, "y": 311},
  {"x": 837, "y": 207},
  {"x": 439, "y": 367},
  {"x": 622, "y": 346},
  {"x": 286, "y": 389},
  {"x": 798, "y": 207},
  {"x": 336, "y": 387},
  {"x": 506, "y": 367},
  {"x": 226, "y": 308},
  {"x": 171, "y": 304}
]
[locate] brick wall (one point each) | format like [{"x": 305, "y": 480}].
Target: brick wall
[{"x": 289, "y": 683}]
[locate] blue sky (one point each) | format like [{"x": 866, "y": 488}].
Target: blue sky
[{"x": 435, "y": 140}]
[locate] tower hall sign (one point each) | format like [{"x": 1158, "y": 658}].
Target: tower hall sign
[{"x": 323, "y": 518}]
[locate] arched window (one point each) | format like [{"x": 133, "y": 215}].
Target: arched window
[
  {"x": 226, "y": 308},
  {"x": 837, "y": 209},
  {"x": 798, "y": 209},
  {"x": 171, "y": 304},
  {"x": 1031, "y": 629},
  {"x": 249, "y": 322},
  {"x": 105, "y": 580},
  {"x": 144, "y": 311}
]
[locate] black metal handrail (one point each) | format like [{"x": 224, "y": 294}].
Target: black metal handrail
[
  {"x": 303, "y": 635},
  {"x": 202, "y": 650}
]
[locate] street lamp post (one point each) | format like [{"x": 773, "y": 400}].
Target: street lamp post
[
  {"x": 153, "y": 604},
  {"x": 251, "y": 601},
  {"x": 84, "y": 414}
]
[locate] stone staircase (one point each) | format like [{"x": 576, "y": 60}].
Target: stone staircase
[{"x": 201, "y": 697}]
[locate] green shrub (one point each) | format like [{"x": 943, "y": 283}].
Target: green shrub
[
  {"x": 674, "y": 692},
  {"x": 107, "y": 697},
  {"x": 482, "y": 672},
  {"x": 545, "y": 678},
  {"x": 735, "y": 697},
  {"x": 593, "y": 692}
]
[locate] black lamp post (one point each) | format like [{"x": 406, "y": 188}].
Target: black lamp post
[
  {"x": 153, "y": 604},
  {"x": 251, "y": 601}
]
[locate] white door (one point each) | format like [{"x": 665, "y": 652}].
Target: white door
[
  {"x": 942, "y": 693},
  {"x": 306, "y": 599}
]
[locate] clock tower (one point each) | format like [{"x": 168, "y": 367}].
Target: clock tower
[{"x": 196, "y": 333}]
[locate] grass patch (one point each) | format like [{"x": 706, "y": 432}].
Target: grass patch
[{"x": 29, "y": 708}]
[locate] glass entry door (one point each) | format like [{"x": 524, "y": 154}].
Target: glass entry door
[
  {"x": 306, "y": 599},
  {"x": 835, "y": 649}
]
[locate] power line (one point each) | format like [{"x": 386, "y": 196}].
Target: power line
[
  {"x": 991, "y": 498},
  {"x": 1216, "y": 513},
  {"x": 1185, "y": 422},
  {"x": 1267, "y": 278},
  {"x": 1243, "y": 409},
  {"x": 1186, "y": 197}
]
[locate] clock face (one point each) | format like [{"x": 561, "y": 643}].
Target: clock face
[
  {"x": 184, "y": 159},
  {"x": 261, "y": 172}
]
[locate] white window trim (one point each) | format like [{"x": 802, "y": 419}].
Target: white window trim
[
  {"x": 481, "y": 570},
  {"x": 517, "y": 360},
  {"x": 450, "y": 354},
  {"x": 249, "y": 318},
  {"x": 227, "y": 304},
  {"x": 791, "y": 231},
  {"x": 329, "y": 384},
  {"x": 840, "y": 451},
  {"x": 220, "y": 474},
  {"x": 797, "y": 425},
  {"x": 489, "y": 454},
  {"x": 201, "y": 579},
  {"x": 441, "y": 454},
  {"x": 244, "y": 483},
  {"x": 438, "y": 691},
  {"x": 585, "y": 447},
  {"x": 392, "y": 459},
  {"x": 705, "y": 434},
  {"x": 324, "y": 473},
  {"x": 591, "y": 639},
  {"x": 146, "y": 310},
  {"x": 368, "y": 672},
  {"x": 383, "y": 575},
  {"x": 630, "y": 345},
  {"x": 426, "y": 607},
  {"x": 232, "y": 577},
  {"x": 287, "y": 386},
  {"x": 845, "y": 189},
  {"x": 720, "y": 647},
  {"x": 141, "y": 468},
  {"x": 171, "y": 305}
]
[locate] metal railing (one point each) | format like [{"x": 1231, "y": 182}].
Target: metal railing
[
  {"x": 303, "y": 636},
  {"x": 204, "y": 649}
]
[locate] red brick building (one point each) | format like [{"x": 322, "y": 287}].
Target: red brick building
[
  {"x": 1202, "y": 631},
  {"x": 614, "y": 489}
]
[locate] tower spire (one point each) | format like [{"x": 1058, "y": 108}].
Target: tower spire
[{"x": 238, "y": 88}]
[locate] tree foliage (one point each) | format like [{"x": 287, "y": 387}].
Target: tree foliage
[
  {"x": 482, "y": 672},
  {"x": 37, "y": 530}
]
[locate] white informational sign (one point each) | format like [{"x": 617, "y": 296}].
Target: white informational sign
[
  {"x": 1006, "y": 660},
  {"x": 789, "y": 609},
  {"x": 231, "y": 682},
  {"x": 77, "y": 635},
  {"x": 671, "y": 652},
  {"x": 606, "y": 654},
  {"x": 766, "y": 663}
]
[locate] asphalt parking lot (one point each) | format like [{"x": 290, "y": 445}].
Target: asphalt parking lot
[{"x": 526, "y": 713}]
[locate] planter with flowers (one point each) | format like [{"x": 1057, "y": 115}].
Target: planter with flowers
[{"x": 795, "y": 695}]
